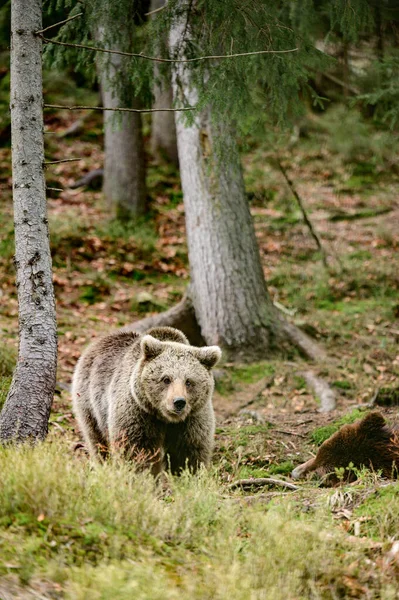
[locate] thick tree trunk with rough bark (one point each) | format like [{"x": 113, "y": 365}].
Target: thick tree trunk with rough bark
[
  {"x": 228, "y": 289},
  {"x": 124, "y": 168},
  {"x": 27, "y": 408}
]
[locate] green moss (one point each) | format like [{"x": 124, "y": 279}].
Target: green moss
[
  {"x": 8, "y": 359},
  {"x": 234, "y": 377},
  {"x": 379, "y": 513},
  {"x": 5, "y": 383},
  {"x": 321, "y": 434},
  {"x": 283, "y": 468}
]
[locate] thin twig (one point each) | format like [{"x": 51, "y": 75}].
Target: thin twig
[
  {"x": 55, "y": 189},
  {"x": 308, "y": 222},
  {"x": 135, "y": 110},
  {"x": 156, "y": 10},
  {"x": 290, "y": 433},
  {"x": 260, "y": 482},
  {"x": 164, "y": 60},
  {"x": 64, "y": 160},
  {"x": 56, "y": 24}
]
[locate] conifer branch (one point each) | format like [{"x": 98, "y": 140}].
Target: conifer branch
[
  {"x": 164, "y": 60},
  {"x": 56, "y": 24},
  {"x": 134, "y": 110}
]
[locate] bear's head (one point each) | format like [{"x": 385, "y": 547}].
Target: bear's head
[
  {"x": 173, "y": 379},
  {"x": 368, "y": 442}
]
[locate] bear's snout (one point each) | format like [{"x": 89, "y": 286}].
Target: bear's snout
[{"x": 179, "y": 403}]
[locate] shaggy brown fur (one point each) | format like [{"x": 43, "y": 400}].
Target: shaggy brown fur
[
  {"x": 147, "y": 396},
  {"x": 369, "y": 442}
]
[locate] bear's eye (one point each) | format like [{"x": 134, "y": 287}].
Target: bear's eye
[
  {"x": 166, "y": 380},
  {"x": 189, "y": 383}
]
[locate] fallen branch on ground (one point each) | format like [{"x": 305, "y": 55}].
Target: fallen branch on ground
[
  {"x": 306, "y": 218},
  {"x": 260, "y": 482}
]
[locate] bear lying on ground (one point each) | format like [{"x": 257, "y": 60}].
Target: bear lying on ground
[
  {"x": 148, "y": 397},
  {"x": 369, "y": 442}
]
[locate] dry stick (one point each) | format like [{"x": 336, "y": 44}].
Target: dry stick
[
  {"x": 156, "y": 10},
  {"x": 261, "y": 481},
  {"x": 135, "y": 110},
  {"x": 164, "y": 60},
  {"x": 56, "y": 162},
  {"x": 55, "y": 189},
  {"x": 56, "y": 24},
  {"x": 290, "y": 433},
  {"x": 304, "y": 213}
]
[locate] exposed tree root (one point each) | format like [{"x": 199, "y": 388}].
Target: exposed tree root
[
  {"x": 322, "y": 390},
  {"x": 92, "y": 179},
  {"x": 302, "y": 341},
  {"x": 182, "y": 316}
]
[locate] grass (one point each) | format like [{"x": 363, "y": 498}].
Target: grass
[{"x": 107, "y": 531}]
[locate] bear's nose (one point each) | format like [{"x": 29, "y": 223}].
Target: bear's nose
[{"x": 179, "y": 404}]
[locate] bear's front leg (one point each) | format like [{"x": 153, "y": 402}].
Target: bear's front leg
[
  {"x": 190, "y": 444},
  {"x": 136, "y": 436}
]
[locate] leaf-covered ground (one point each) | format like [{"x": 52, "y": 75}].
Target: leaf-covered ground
[{"x": 74, "y": 531}]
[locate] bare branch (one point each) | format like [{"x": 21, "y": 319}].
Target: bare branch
[
  {"x": 135, "y": 110},
  {"x": 261, "y": 481},
  {"x": 64, "y": 160},
  {"x": 55, "y": 189},
  {"x": 164, "y": 60},
  {"x": 56, "y": 24},
  {"x": 308, "y": 222},
  {"x": 156, "y": 10}
]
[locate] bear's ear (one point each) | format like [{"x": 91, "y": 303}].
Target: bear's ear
[
  {"x": 373, "y": 422},
  {"x": 208, "y": 356},
  {"x": 150, "y": 347}
]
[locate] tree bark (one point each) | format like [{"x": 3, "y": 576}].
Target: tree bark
[
  {"x": 228, "y": 289},
  {"x": 163, "y": 132},
  {"x": 27, "y": 408},
  {"x": 124, "y": 166}
]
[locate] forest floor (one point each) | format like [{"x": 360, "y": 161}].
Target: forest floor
[{"x": 69, "y": 529}]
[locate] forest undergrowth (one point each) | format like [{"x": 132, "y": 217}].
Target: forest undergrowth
[{"x": 71, "y": 529}]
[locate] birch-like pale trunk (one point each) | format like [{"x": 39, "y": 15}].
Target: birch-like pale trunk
[
  {"x": 228, "y": 288},
  {"x": 27, "y": 408},
  {"x": 124, "y": 163}
]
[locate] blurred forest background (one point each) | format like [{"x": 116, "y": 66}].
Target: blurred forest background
[{"x": 316, "y": 131}]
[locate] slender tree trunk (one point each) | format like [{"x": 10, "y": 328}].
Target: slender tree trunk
[
  {"x": 27, "y": 408},
  {"x": 163, "y": 132},
  {"x": 124, "y": 168},
  {"x": 228, "y": 289}
]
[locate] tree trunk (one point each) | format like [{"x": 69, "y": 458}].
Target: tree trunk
[
  {"x": 124, "y": 168},
  {"x": 27, "y": 408},
  {"x": 228, "y": 289},
  {"x": 163, "y": 132}
]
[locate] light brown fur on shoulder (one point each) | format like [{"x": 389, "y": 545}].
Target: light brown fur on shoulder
[
  {"x": 369, "y": 442},
  {"x": 147, "y": 396}
]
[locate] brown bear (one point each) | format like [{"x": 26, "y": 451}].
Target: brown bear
[
  {"x": 369, "y": 442},
  {"x": 149, "y": 397}
]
